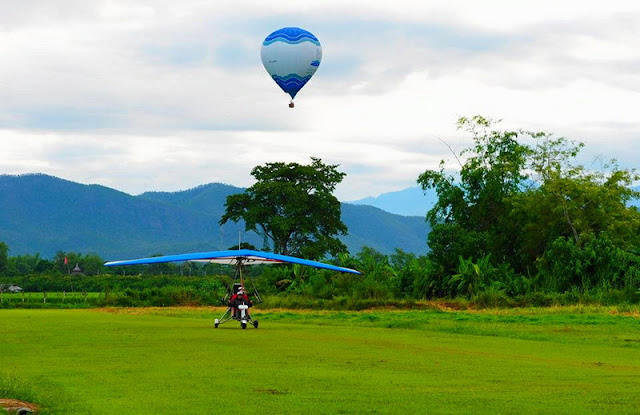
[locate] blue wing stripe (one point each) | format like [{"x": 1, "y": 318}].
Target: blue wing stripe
[{"x": 246, "y": 255}]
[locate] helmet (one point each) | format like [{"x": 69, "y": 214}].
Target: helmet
[{"x": 240, "y": 291}]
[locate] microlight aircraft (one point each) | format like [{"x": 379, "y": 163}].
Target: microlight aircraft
[{"x": 239, "y": 259}]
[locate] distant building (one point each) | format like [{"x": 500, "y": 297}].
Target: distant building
[
  {"x": 14, "y": 289},
  {"x": 77, "y": 270}
]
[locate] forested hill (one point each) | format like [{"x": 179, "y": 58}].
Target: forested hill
[{"x": 44, "y": 214}]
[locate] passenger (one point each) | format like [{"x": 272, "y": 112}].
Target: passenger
[{"x": 237, "y": 299}]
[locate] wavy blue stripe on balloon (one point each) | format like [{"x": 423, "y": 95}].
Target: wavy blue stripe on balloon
[
  {"x": 315, "y": 63},
  {"x": 291, "y": 35},
  {"x": 289, "y": 41},
  {"x": 291, "y": 83},
  {"x": 292, "y": 77}
]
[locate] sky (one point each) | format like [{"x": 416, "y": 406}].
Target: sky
[{"x": 165, "y": 95}]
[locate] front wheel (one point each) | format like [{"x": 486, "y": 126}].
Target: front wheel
[
  {"x": 255, "y": 323},
  {"x": 244, "y": 325},
  {"x": 216, "y": 325}
]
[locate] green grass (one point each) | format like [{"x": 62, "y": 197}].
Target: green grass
[
  {"x": 164, "y": 361},
  {"x": 69, "y": 299}
]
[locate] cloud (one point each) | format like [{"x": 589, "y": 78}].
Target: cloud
[{"x": 159, "y": 95}]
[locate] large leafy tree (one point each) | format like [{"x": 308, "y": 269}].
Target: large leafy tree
[
  {"x": 512, "y": 201},
  {"x": 30, "y": 264},
  {"x": 469, "y": 218},
  {"x": 571, "y": 202},
  {"x": 292, "y": 206}
]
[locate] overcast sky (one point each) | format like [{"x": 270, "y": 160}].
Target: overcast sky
[{"x": 168, "y": 95}]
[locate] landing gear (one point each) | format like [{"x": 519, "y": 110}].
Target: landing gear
[
  {"x": 216, "y": 323},
  {"x": 255, "y": 323},
  {"x": 244, "y": 325}
]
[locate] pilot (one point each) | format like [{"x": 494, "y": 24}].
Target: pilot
[{"x": 237, "y": 299}]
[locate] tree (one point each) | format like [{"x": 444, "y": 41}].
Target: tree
[
  {"x": 469, "y": 218},
  {"x": 91, "y": 264},
  {"x": 243, "y": 245},
  {"x": 29, "y": 264},
  {"x": 520, "y": 203},
  {"x": 4, "y": 257},
  {"x": 292, "y": 207},
  {"x": 571, "y": 201}
]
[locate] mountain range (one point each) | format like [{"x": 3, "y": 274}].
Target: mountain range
[
  {"x": 413, "y": 201},
  {"x": 45, "y": 214}
]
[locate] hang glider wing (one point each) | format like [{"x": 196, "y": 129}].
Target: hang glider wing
[{"x": 242, "y": 257}]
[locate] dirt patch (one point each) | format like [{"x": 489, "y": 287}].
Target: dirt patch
[
  {"x": 634, "y": 314},
  {"x": 271, "y": 391},
  {"x": 13, "y": 405}
]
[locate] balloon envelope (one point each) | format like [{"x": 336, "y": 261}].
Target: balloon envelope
[{"x": 291, "y": 56}]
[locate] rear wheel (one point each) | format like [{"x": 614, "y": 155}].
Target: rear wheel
[{"x": 255, "y": 323}]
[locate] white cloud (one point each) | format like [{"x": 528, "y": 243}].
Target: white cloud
[{"x": 159, "y": 95}]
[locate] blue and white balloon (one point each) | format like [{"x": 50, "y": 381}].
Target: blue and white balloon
[{"x": 291, "y": 56}]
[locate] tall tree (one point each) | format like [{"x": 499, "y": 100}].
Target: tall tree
[
  {"x": 513, "y": 201},
  {"x": 572, "y": 202},
  {"x": 468, "y": 219},
  {"x": 4, "y": 257},
  {"x": 293, "y": 207}
]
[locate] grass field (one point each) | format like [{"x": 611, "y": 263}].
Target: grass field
[{"x": 170, "y": 361}]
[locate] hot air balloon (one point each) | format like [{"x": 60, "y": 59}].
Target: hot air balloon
[{"x": 291, "y": 56}]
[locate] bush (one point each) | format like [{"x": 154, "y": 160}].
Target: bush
[{"x": 491, "y": 298}]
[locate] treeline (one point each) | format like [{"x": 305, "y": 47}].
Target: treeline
[
  {"x": 401, "y": 279},
  {"x": 64, "y": 263}
]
